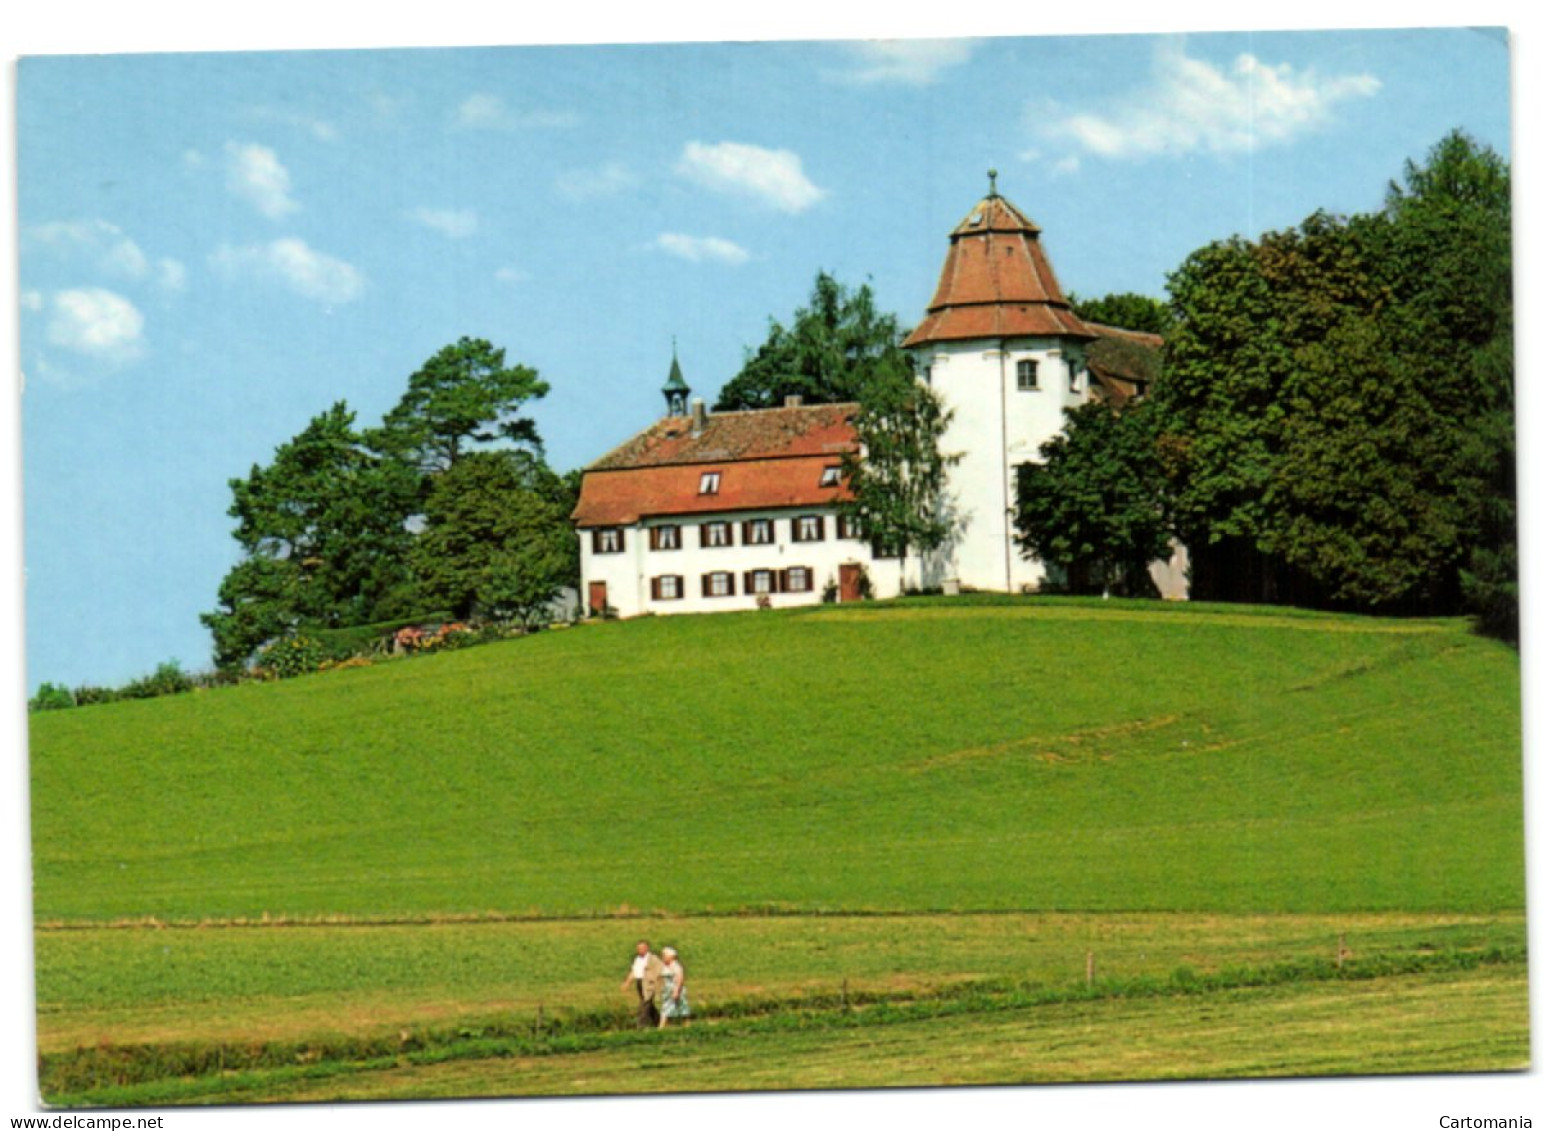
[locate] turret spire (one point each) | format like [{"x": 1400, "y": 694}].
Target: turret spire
[{"x": 676, "y": 391}]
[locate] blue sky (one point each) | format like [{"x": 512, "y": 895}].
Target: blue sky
[{"x": 215, "y": 247}]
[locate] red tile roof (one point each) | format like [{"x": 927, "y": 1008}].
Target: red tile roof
[
  {"x": 767, "y": 459},
  {"x": 997, "y": 282},
  {"x": 1124, "y": 363},
  {"x": 621, "y": 497},
  {"x": 760, "y": 434}
]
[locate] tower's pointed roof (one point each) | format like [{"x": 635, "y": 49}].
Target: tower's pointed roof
[
  {"x": 997, "y": 282},
  {"x": 676, "y": 382}
]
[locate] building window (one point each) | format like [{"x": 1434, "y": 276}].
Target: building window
[
  {"x": 848, "y": 526},
  {"x": 608, "y": 540},
  {"x": 1028, "y": 375},
  {"x": 830, "y": 477},
  {"x": 669, "y": 587},
  {"x": 1073, "y": 372},
  {"x": 760, "y": 581},
  {"x": 759, "y": 532},
  {"x": 809, "y": 528},
  {"x": 664, "y": 538},
  {"x": 881, "y": 550},
  {"x": 720, "y": 584},
  {"x": 710, "y": 481},
  {"x": 800, "y": 579},
  {"x": 716, "y": 534}
]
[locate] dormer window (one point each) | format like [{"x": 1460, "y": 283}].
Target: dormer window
[
  {"x": 710, "y": 480},
  {"x": 1028, "y": 375},
  {"x": 830, "y": 477}
]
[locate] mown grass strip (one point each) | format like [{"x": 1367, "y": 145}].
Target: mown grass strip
[{"x": 183, "y": 1072}]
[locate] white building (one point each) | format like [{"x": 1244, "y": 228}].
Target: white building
[{"x": 705, "y": 512}]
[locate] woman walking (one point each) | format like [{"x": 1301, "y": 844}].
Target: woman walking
[{"x": 672, "y": 998}]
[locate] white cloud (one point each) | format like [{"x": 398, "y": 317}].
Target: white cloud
[
  {"x": 296, "y": 265},
  {"x": 457, "y": 224},
  {"x": 510, "y": 275},
  {"x": 31, "y": 300},
  {"x": 912, "y": 62},
  {"x": 106, "y": 245},
  {"x": 771, "y": 176},
  {"x": 318, "y": 128},
  {"x": 609, "y": 179},
  {"x": 96, "y": 322},
  {"x": 701, "y": 249},
  {"x": 171, "y": 274},
  {"x": 1191, "y": 106},
  {"x": 256, "y": 175},
  {"x": 489, "y": 112}
]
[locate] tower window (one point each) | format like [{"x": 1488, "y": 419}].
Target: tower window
[{"x": 1028, "y": 375}]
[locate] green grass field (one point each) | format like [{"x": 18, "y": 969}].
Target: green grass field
[{"x": 897, "y": 797}]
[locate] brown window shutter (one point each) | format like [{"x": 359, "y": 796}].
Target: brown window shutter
[
  {"x": 819, "y": 526},
  {"x": 707, "y": 585},
  {"x": 782, "y": 581},
  {"x": 749, "y": 580},
  {"x": 653, "y": 537},
  {"x": 621, "y": 539},
  {"x": 702, "y": 534},
  {"x": 653, "y": 587},
  {"x": 731, "y": 584}
]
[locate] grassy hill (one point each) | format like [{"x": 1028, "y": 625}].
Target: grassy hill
[
  {"x": 921, "y": 756},
  {"x": 890, "y": 840}
]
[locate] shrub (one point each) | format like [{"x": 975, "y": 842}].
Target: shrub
[
  {"x": 167, "y": 679},
  {"x": 51, "y": 697},
  {"x": 89, "y": 696},
  {"x": 292, "y": 656}
]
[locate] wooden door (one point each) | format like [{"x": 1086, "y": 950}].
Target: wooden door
[
  {"x": 597, "y": 602},
  {"x": 850, "y": 572}
]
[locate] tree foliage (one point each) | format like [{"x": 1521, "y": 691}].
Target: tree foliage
[
  {"x": 464, "y": 394},
  {"x": 838, "y": 346},
  {"x": 1093, "y": 505},
  {"x": 897, "y": 480},
  {"x": 496, "y": 539},
  {"x": 347, "y": 528},
  {"x": 1336, "y": 398},
  {"x": 324, "y": 536},
  {"x": 1125, "y": 310}
]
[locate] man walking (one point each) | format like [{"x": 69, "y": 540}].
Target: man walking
[{"x": 646, "y": 973}]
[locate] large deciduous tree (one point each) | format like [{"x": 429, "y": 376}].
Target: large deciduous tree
[
  {"x": 1093, "y": 504},
  {"x": 1337, "y": 398},
  {"x": 496, "y": 539},
  {"x": 837, "y": 346},
  {"x": 897, "y": 479}
]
